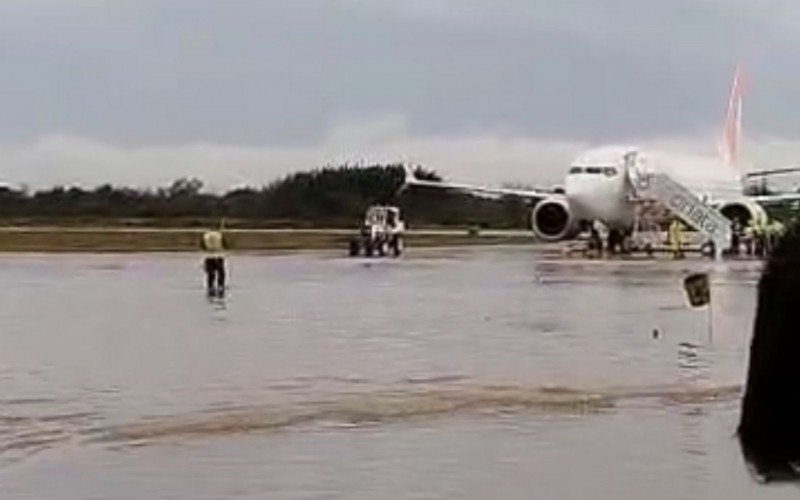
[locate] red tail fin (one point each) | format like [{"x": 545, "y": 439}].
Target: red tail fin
[{"x": 732, "y": 131}]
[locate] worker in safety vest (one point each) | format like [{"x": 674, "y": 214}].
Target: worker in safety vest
[
  {"x": 758, "y": 229},
  {"x": 213, "y": 243},
  {"x": 599, "y": 236},
  {"x": 675, "y": 235},
  {"x": 774, "y": 230},
  {"x": 748, "y": 239}
]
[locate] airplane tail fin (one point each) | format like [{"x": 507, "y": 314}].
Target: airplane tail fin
[{"x": 732, "y": 129}]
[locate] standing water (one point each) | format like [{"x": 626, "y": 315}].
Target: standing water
[{"x": 476, "y": 373}]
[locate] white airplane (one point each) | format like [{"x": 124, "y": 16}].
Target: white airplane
[{"x": 598, "y": 184}]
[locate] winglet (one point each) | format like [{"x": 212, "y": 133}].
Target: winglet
[
  {"x": 410, "y": 174},
  {"x": 409, "y": 178}
]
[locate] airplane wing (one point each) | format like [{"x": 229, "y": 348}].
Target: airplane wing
[
  {"x": 768, "y": 199},
  {"x": 485, "y": 192},
  {"x": 772, "y": 171}
]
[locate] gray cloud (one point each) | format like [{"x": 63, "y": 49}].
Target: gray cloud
[
  {"x": 265, "y": 79},
  {"x": 67, "y": 160}
]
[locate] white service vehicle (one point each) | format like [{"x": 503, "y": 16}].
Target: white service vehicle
[{"x": 381, "y": 233}]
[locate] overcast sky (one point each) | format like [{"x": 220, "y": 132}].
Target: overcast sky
[{"x": 241, "y": 91}]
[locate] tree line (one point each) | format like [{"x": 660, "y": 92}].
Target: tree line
[{"x": 325, "y": 197}]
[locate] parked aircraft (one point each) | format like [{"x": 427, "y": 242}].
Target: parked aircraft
[{"x": 599, "y": 184}]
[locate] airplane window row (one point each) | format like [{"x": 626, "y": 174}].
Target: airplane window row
[{"x": 608, "y": 171}]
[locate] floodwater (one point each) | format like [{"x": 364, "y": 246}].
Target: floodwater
[{"x": 470, "y": 373}]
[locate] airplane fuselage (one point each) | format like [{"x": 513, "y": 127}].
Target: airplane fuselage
[{"x": 597, "y": 185}]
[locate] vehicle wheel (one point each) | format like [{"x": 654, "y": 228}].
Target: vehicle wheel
[
  {"x": 707, "y": 249},
  {"x": 626, "y": 245},
  {"x": 383, "y": 248},
  {"x": 354, "y": 248},
  {"x": 397, "y": 246},
  {"x": 613, "y": 241},
  {"x": 368, "y": 248}
]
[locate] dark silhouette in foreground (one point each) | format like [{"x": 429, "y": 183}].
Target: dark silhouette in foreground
[{"x": 769, "y": 429}]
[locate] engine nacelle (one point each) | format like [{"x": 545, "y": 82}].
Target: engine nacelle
[
  {"x": 552, "y": 220},
  {"x": 743, "y": 210}
]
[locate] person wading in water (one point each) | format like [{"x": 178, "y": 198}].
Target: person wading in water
[{"x": 213, "y": 244}]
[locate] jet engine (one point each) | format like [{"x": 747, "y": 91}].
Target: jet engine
[
  {"x": 551, "y": 220},
  {"x": 743, "y": 210}
]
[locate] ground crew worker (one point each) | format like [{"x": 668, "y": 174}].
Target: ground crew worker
[
  {"x": 774, "y": 231},
  {"x": 748, "y": 240},
  {"x": 758, "y": 230},
  {"x": 736, "y": 237},
  {"x": 213, "y": 244},
  {"x": 769, "y": 238},
  {"x": 675, "y": 235},
  {"x": 779, "y": 228},
  {"x": 595, "y": 243},
  {"x": 601, "y": 235}
]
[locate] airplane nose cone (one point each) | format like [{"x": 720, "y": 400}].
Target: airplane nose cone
[
  {"x": 596, "y": 199},
  {"x": 579, "y": 196}
]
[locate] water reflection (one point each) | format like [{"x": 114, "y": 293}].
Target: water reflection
[
  {"x": 217, "y": 298},
  {"x": 564, "y": 371},
  {"x": 694, "y": 362}
]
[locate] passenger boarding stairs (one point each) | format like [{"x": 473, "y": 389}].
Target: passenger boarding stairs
[{"x": 675, "y": 197}]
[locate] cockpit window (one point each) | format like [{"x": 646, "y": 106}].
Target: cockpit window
[{"x": 610, "y": 171}]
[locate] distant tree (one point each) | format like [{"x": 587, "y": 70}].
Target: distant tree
[
  {"x": 330, "y": 196},
  {"x": 185, "y": 187}
]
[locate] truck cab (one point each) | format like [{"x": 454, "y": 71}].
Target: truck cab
[{"x": 381, "y": 233}]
